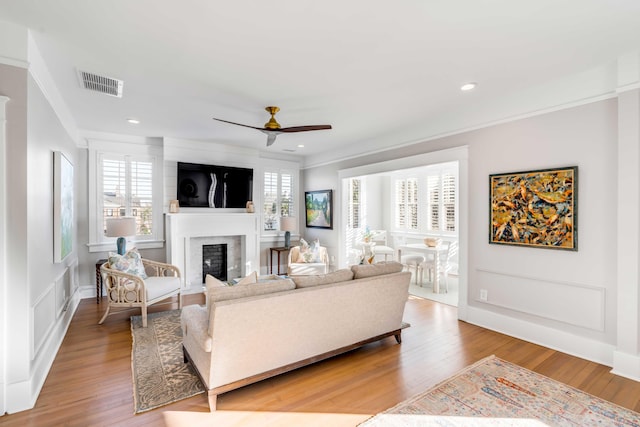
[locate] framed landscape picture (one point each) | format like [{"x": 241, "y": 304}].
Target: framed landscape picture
[
  {"x": 535, "y": 208},
  {"x": 319, "y": 208}
]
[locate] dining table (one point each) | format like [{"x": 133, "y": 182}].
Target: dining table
[{"x": 432, "y": 251}]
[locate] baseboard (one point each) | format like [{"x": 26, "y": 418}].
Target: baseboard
[
  {"x": 23, "y": 395},
  {"x": 626, "y": 365},
  {"x": 574, "y": 345}
]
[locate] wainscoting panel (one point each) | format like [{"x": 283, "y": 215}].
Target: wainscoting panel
[
  {"x": 572, "y": 303},
  {"x": 43, "y": 314}
]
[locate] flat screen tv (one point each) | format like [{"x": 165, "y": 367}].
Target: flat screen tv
[{"x": 211, "y": 186}]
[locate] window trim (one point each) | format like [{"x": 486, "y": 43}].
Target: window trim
[{"x": 150, "y": 151}]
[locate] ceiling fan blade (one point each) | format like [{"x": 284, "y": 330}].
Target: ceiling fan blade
[
  {"x": 237, "y": 124},
  {"x": 304, "y": 128},
  {"x": 271, "y": 138}
]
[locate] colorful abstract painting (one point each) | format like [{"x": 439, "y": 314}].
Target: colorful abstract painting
[{"x": 535, "y": 208}]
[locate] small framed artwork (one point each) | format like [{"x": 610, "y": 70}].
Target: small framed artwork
[
  {"x": 319, "y": 208},
  {"x": 536, "y": 208},
  {"x": 62, "y": 206}
]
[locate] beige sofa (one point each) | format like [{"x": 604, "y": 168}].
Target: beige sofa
[{"x": 256, "y": 331}]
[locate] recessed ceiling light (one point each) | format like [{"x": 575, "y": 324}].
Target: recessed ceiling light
[
  {"x": 300, "y": 145},
  {"x": 468, "y": 86},
  {"x": 133, "y": 121}
]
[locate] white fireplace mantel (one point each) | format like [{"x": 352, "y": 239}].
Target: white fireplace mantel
[{"x": 182, "y": 227}]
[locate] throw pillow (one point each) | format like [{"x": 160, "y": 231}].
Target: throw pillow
[
  {"x": 251, "y": 278},
  {"x": 211, "y": 283},
  {"x": 131, "y": 263},
  {"x": 304, "y": 253}
]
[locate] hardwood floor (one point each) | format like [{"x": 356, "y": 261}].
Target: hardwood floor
[{"x": 90, "y": 381}]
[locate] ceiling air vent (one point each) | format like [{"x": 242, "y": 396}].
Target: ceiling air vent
[{"x": 102, "y": 84}]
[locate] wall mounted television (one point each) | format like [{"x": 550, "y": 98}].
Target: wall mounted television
[{"x": 211, "y": 186}]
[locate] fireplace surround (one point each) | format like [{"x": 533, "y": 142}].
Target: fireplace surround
[{"x": 188, "y": 232}]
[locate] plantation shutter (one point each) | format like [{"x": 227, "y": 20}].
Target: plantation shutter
[
  {"x": 449, "y": 201},
  {"x": 127, "y": 190},
  {"x": 433, "y": 190},
  {"x": 354, "y": 203},
  {"x": 270, "y": 200}
]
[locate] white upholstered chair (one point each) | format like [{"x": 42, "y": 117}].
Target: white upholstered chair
[
  {"x": 297, "y": 268},
  {"x": 414, "y": 262},
  {"x": 128, "y": 290},
  {"x": 379, "y": 237}
]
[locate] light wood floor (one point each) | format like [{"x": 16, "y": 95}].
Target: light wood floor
[{"x": 90, "y": 380}]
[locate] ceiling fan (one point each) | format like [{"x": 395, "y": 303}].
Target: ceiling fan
[{"x": 272, "y": 127}]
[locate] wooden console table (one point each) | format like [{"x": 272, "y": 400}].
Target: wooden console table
[{"x": 278, "y": 250}]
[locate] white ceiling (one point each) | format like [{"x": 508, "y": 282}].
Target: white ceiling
[{"x": 382, "y": 73}]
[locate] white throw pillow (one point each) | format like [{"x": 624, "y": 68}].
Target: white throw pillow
[{"x": 251, "y": 278}]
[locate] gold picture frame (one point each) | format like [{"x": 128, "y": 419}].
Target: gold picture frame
[{"x": 535, "y": 208}]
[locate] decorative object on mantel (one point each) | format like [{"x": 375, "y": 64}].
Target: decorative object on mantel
[
  {"x": 432, "y": 242},
  {"x": 250, "y": 207},
  {"x": 319, "y": 209},
  {"x": 174, "y": 206},
  {"x": 498, "y": 393},
  {"x": 121, "y": 227},
  {"x": 287, "y": 224},
  {"x": 536, "y": 208}
]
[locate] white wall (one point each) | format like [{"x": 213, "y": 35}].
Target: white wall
[{"x": 562, "y": 299}]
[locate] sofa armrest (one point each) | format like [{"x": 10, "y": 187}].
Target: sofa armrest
[{"x": 194, "y": 320}]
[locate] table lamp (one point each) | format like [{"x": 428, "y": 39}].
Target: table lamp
[
  {"x": 121, "y": 227},
  {"x": 287, "y": 224}
]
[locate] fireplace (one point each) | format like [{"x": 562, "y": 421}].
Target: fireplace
[
  {"x": 187, "y": 233},
  {"x": 214, "y": 261}
]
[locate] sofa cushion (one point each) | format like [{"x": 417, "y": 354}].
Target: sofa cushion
[
  {"x": 342, "y": 275},
  {"x": 249, "y": 290},
  {"x": 243, "y": 291},
  {"x": 377, "y": 269}
]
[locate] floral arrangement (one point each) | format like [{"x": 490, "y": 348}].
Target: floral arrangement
[{"x": 368, "y": 235}]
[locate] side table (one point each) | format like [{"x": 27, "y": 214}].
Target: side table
[
  {"x": 278, "y": 250},
  {"x": 99, "y": 279}
]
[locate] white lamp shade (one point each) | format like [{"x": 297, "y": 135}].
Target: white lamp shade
[
  {"x": 120, "y": 227},
  {"x": 288, "y": 223}
]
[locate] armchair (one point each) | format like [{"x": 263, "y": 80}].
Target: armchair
[
  {"x": 297, "y": 267},
  {"x": 137, "y": 289}
]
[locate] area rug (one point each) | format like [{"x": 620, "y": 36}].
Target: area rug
[
  {"x": 504, "y": 394},
  {"x": 160, "y": 375}
]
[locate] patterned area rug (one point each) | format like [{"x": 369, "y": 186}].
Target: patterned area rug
[
  {"x": 503, "y": 394},
  {"x": 160, "y": 375}
]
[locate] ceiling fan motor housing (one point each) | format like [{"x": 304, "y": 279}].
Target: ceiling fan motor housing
[{"x": 272, "y": 123}]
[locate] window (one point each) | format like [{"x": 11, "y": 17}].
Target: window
[
  {"x": 426, "y": 199},
  {"x": 278, "y": 198},
  {"x": 127, "y": 190},
  {"x": 125, "y": 180},
  {"x": 355, "y": 187},
  {"x": 406, "y": 204}
]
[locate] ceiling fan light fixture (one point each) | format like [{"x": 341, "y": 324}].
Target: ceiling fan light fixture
[
  {"x": 468, "y": 86},
  {"x": 300, "y": 145},
  {"x": 133, "y": 121}
]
